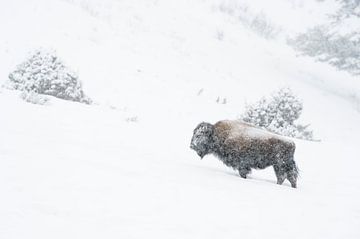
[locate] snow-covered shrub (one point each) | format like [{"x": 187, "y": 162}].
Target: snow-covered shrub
[
  {"x": 278, "y": 113},
  {"x": 255, "y": 21},
  {"x": 338, "y": 41},
  {"x": 44, "y": 73},
  {"x": 349, "y": 8},
  {"x": 220, "y": 35},
  {"x": 132, "y": 119},
  {"x": 341, "y": 51},
  {"x": 34, "y": 98},
  {"x": 221, "y": 100},
  {"x": 262, "y": 26}
]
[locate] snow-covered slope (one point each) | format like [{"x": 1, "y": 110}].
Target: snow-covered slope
[{"x": 122, "y": 168}]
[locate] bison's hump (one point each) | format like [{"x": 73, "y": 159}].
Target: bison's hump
[{"x": 237, "y": 130}]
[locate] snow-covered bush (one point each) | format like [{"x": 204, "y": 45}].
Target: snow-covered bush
[
  {"x": 349, "y": 8},
  {"x": 278, "y": 113},
  {"x": 255, "y": 21},
  {"x": 338, "y": 41},
  {"x": 44, "y": 73},
  {"x": 262, "y": 26},
  {"x": 132, "y": 119},
  {"x": 34, "y": 98},
  {"x": 341, "y": 51}
]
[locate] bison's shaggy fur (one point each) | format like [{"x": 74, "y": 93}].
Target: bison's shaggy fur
[{"x": 244, "y": 147}]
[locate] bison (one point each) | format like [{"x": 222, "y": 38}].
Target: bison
[{"x": 243, "y": 147}]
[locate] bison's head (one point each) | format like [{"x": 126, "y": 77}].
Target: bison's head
[{"x": 202, "y": 140}]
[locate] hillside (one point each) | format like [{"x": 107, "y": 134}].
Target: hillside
[{"x": 122, "y": 167}]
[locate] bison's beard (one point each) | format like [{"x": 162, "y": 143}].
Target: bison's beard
[{"x": 199, "y": 152}]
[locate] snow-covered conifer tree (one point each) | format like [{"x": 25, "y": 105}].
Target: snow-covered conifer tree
[
  {"x": 44, "y": 73},
  {"x": 278, "y": 114}
]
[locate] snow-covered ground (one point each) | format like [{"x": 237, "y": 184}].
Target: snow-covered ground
[{"x": 122, "y": 168}]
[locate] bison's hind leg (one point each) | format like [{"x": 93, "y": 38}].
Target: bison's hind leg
[
  {"x": 292, "y": 172},
  {"x": 292, "y": 179},
  {"x": 287, "y": 170}
]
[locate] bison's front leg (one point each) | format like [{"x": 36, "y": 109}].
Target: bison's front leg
[
  {"x": 280, "y": 174},
  {"x": 244, "y": 171}
]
